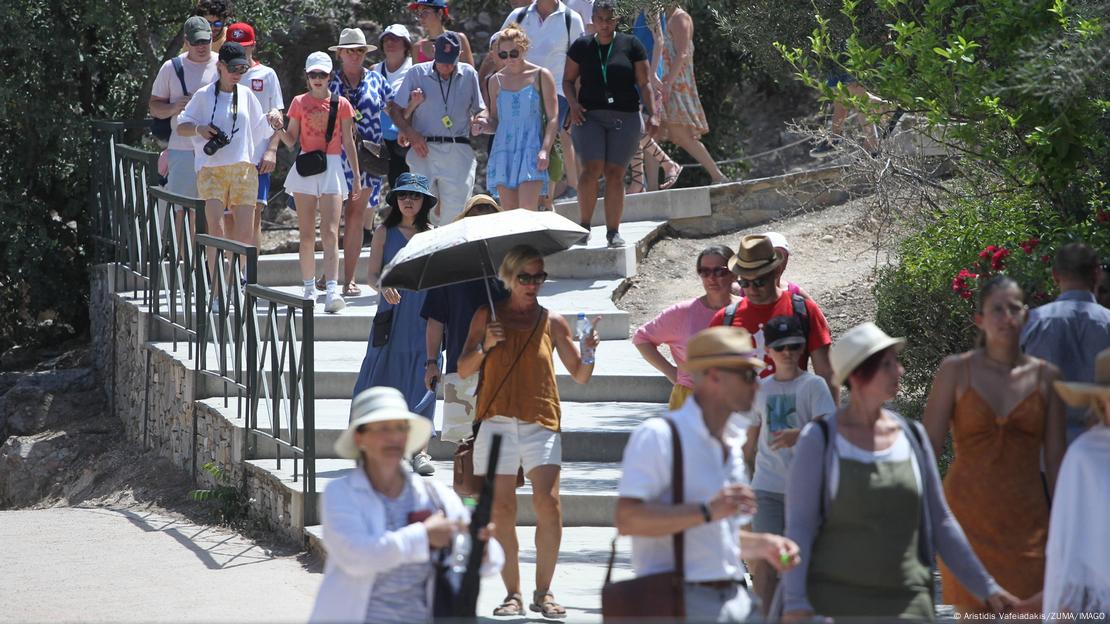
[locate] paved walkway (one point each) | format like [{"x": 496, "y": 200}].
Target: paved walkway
[{"x": 102, "y": 565}]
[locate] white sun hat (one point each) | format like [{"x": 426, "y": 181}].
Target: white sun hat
[
  {"x": 856, "y": 345},
  {"x": 379, "y": 404}
]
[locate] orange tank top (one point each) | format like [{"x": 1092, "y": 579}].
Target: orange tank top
[{"x": 527, "y": 390}]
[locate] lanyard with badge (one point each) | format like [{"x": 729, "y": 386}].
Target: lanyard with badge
[
  {"x": 446, "y": 119},
  {"x": 605, "y": 66},
  {"x": 234, "y": 109}
]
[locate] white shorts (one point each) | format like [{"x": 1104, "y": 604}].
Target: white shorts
[
  {"x": 522, "y": 444},
  {"x": 330, "y": 182}
]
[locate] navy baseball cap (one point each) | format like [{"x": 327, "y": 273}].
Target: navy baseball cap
[
  {"x": 783, "y": 330},
  {"x": 448, "y": 48}
]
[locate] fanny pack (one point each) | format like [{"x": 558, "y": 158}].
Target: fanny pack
[{"x": 316, "y": 162}]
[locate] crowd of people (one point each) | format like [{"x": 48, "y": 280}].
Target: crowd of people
[
  {"x": 566, "y": 100},
  {"x": 794, "y": 465}
]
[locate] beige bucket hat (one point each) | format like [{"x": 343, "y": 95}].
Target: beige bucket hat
[
  {"x": 379, "y": 404},
  {"x": 856, "y": 345}
]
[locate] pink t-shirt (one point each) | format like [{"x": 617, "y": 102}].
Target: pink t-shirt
[
  {"x": 673, "y": 327},
  {"x": 312, "y": 113}
]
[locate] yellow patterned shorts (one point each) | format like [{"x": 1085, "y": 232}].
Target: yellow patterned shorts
[{"x": 234, "y": 185}]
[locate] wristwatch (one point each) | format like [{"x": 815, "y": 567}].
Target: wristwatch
[
  {"x": 431, "y": 361},
  {"x": 706, "y": 513}
]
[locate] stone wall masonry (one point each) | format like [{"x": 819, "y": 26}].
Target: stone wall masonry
[{"x": 155, "y": 404}]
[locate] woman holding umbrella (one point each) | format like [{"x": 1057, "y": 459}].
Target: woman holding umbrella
[
  {"x": 384, "y": 528},
  {"x": 395, "y": 350},
  {"x": 513, "y": 346}
]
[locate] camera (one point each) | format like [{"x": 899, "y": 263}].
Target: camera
[{"x": 217, "y": 142}]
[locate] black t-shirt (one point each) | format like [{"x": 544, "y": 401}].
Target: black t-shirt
[{"x": 621, "y": 72}]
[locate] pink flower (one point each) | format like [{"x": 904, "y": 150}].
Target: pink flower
[
  {"x": 1028, "y": 245},
  {"x": 1046, "y": 258},
  {"x": 988, "y": 252},
  {"x": 998, "y": 257}
]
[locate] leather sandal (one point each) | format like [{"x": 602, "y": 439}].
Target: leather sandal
[
  {"x": 636, "y": 173},
  {"x": 352, "y": 290},
  {"x": 543, "y": 602},
  {"x": 513, "y": 604}
]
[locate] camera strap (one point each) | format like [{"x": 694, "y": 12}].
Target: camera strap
[{"x": 234, "y": 108}]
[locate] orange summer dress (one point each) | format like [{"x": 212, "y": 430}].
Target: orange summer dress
[
  {"x": 996, "y": 492},
  {"x": 684, "y": 106}
]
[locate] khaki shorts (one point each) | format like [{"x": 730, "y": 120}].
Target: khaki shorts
[{"x": 233, "y": 185}]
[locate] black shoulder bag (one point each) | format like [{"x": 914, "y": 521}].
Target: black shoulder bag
[
  {"x": 161, "y": 128},
  {"x": 316, "y": 162}
]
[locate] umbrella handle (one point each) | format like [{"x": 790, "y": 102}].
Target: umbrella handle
[{"x": 488, "y": 264}]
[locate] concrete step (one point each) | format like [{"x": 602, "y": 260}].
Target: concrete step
[
  {"x": 594, "y": 432},
  {"x": 566, "y": 296},
  {"x": 588, "y": 490},
  {"x": 619, "y": 375},
  {"x": 579, "y": 262},
  {"x": 579, "y": 574},
  {"x": 651, "y": 206}
]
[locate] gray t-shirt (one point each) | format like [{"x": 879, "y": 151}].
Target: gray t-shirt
[
  {"x": 400, "y": 595},
  {"x": 785, "y": 405},
  {"x": 458, "y": 98}
]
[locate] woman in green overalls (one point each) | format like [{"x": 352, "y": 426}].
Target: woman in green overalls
[{"x": 865, "y": 505}]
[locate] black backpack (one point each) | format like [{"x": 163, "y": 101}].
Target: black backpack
[{"x": 800, "y": 313}]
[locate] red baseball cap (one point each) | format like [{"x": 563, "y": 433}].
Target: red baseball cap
[{"x": 241, "y": 33}]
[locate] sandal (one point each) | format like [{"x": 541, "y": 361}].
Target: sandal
[
  {"x": 666, "y": 162},
  {"x": 321, "y": 284},
  {"x": 547, "y": 607},
  {"x": 513, "y": 604},
  {"x": 352, "y": 290},
  {"x": 636, "y": 174}
]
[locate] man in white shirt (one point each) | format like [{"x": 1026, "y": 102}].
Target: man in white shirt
[
  {"x": 264, "y": 85},
  {"x": 167, "y": 100},
  {"x": 717, "y": 500},
  {"x": 551, "y": 27},
  {"x": 226, "y": 123}
]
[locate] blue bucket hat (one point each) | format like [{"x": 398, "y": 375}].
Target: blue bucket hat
[{"x": 412, "y": 182}]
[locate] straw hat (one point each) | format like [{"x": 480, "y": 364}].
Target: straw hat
[
  {"x": 728, "y": 347},
  {"x": 352, "y": 38},
  {"x": 855, "y": 346},
  {"x": 481, "y": 199},
  {"x": 1084, "y": 394},
  {"x": 756, "y": 256},
  {"x": 379, "y": 404}
]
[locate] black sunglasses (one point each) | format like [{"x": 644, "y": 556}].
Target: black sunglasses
[
  {"x": 510, "y": 54},
  {"x": 758, "y": 282},
  {"x": 317, "y": 75},
  {"x": 238, "y": 69},
  {"x": 531, "y": 278},
  {"x": 719, "y": 271},
  {"x": 747, "y": 374},
  {"x": 797, "y": 346},
  {"x": 413, "y": 195}
]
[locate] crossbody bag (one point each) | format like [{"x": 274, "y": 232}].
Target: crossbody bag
[{"x": 316, "y": 162}]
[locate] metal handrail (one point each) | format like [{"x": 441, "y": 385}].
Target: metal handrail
[{"x": 287, "y": 386}]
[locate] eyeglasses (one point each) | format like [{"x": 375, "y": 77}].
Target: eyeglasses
[
  {"x": 758, "y": 282},
  {"x": 238, "y": 69},
  {"x": 510, "y": 54},
  {"x": 413, "y": 195},
  {"x": 216, "y": 24},
  {"x": 719, "y": 271},
  {"x": 747, "y": 374},
  {"x": 797, "y": 346},
  {"x": 317, "y": 75},
  {"x": 531, "y": 278}
]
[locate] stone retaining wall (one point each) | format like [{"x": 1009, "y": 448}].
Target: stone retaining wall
[{"x": 155, "y": 403}]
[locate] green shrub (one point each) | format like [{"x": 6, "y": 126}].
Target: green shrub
[{"x": 929, "y": 296}]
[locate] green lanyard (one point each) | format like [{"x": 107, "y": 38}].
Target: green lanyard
[{"x": 605, "y": 62}]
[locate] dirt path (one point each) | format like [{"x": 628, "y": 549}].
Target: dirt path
[{"x": 832, "y": 257}]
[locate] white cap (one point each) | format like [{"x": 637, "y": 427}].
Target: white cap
[
  {"x": 397, "y": 30},
  {"x": 778, "y": 241},
  {"x": 318, "y": 61}
]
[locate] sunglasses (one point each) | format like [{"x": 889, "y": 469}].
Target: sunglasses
[
  {"x": 531, "y": 278},
  {"x": 317, "y": 75},
  {"x": 758, "y": 282},
  {"x": 238, "y": 69},
  {"x": 413, "y": 195},
  {"x": 719, "y": 271},
  {"x": 747, "y": 374},
  {"x": 511, "y": 54},
  {"x": 216, "y": 24},
  {"x": 797, "y": 346}
]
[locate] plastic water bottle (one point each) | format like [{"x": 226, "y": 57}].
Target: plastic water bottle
[
  {"x": 582, "y": 330},
  {"x": 460, "y": 548}
]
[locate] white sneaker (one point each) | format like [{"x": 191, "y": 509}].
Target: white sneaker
[
  {"x": 310, "y": 293},
  {"x": 334, "y": 304},
  {"x": 422, "y": 465}
]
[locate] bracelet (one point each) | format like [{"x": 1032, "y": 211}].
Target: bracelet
[
  {"x": 706, "y": 513},
  {"x": 481, "y": 347},
  {"x": 431, "y": 361}
]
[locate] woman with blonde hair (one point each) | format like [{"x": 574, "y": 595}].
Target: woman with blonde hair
[
  {"x": 1004, "y": 419},
  {"x": 513, "y": 346},
  {"x": 385, "y": 529},
  {"x": 524, "y": 114}
]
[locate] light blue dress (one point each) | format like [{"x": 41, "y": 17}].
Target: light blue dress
[
  {"x": 512, "y": 161},
  {"x": 400, "y": 362}
]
